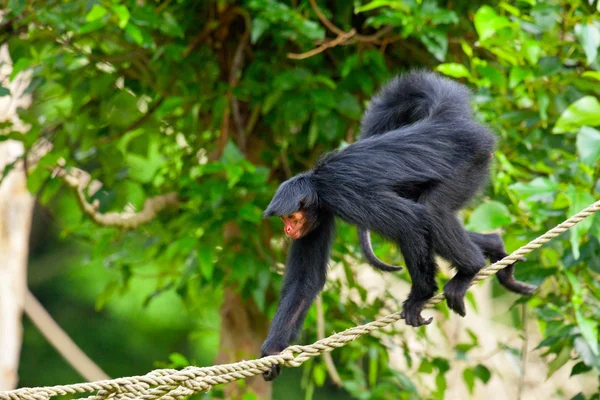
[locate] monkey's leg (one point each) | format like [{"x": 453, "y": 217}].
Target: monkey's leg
[
  {"x": 452, "y": 242},
  {"x": 493, "y": 248},
  {"x": 407, "y": 223},
  {"x": 305, "y": 275},
  {"x": 421, "y": 266}
]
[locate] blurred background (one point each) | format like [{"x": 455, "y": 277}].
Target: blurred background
[{"x": 141, "y": 141}]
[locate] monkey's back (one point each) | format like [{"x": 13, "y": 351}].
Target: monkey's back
[{"x": 412, "y": 158}]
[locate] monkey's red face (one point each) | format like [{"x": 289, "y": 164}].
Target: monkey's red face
[{"x": 295, "y": 225}]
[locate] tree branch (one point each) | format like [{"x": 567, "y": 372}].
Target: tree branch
[
  {"x": 61, "y": 341},
  {"x": 340, "y": 39},
  {"x": 524, "y": 348},
  {"x": 333, "y": 28},
  {"x": 330, "y": 25},
  {"x": 237, "y": 64},
  {"x": 80, "y": 180},
  {"x": 333, "y": 373}
]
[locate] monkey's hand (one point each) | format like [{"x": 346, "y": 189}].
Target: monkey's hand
[{"x": 269, "y": 349}]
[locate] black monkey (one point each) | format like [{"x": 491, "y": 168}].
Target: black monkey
[{"x": 420, "y": 159}]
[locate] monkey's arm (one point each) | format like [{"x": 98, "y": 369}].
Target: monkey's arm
[{"x": 305, "y": 275}]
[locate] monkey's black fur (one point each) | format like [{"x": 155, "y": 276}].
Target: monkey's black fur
[
  {"x": 364, "y": 238},
  {"x": 420, "y": 159}
]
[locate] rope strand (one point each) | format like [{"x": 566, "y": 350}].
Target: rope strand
[{"x": 171, "y": 384}]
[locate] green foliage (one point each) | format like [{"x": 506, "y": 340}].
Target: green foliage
[{"x": 200, "y": 98}]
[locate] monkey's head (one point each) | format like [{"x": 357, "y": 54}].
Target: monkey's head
[{"x": 297, "y": 204}]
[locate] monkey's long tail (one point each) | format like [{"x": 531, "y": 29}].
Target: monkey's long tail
[
  {"x": 364, "y": 238},
  {"x": 414, "y": 96}
]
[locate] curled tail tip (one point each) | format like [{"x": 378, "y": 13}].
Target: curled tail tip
[
  {"x": 388, "y": 268},
  {"x": 364, "y": 239},
  {"x": 412, "y": 96}
]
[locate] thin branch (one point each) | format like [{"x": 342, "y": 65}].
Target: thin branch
[
  {"x": 330, "y": 25},
  {"x": 252, "y": 120},
  {"x": 61, "y": 341},
  {"x": 237, "y": 64},
  {"x": 209, "y": 27},
  {"x": 340, "y": 39},
  {"x": 285, "y": 163},
  {"x": 333, "y": 373},
  {"x": 521, "y": 386},
  {"x": 79, "y": 180},
  {"x": 333, "y": 28}
]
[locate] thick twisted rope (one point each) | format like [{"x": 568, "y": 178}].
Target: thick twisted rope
[{"x": 171, "y": 384}]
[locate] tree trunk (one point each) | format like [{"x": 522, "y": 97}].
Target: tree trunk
[
  {"x": 243, "y": 329},
  {"x": 16, "y": 209}
]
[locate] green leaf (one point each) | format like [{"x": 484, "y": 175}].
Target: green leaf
[
  {"x": 539, "y": 189},
  {"x": 588, "y": 145},
  {"x": 543, "y": 103},
  {"x": 178, "y": 360},
  {"x": 518, "y": 75},
  {"x": 231, "y": 154},
  {"x": 487, "y": 22},
  {"x": 511, "y": 9},
  {"x": 259, "y": 27},
  {"x": 469, "y": 378},
  {"x": 319, "y": 375},
  {"x": 271, "y": 100},
  {"x": 589, "y": 37},
  {"x": 585, "y": 353},
  {"x": 561, "y": 359},
  {"x": 394, "y": 4},
  {"x": 532, "y": 50},
  {"x": 123, "y": 14},
  {"x": 580, "y": 368},
  {"x": 488, "y": 216},
  {"x": 313, "y": 132},
  {"x": 373, "y": 365},
  {"x": 436, "y": 41},
  {"x": 96, "y": 13},
  {"x": 130, "y": 192},
  {"x": 585, "y": 111},
  {"x": 589, "y": 331},
  {"x": 251, "y": 213},
  {"x": 206, "y": 262},
  {"x": 578, "y": 201},
  {"x": 348, "y": 106},
  {"x": 135, "y": 33},
  {"x": 483, "y": 373},
  {"x": 4, "y": 91},
  {"x": 170, "y": 25},
  {"x": 468, "y": 50},
  {"x": 143, "y": 169},
  {"x": 16, "y": 7},
  {"x": 591, "y": 74},
  {"x": 22, "y": 64},
  {"x": 454, "y": 70}
]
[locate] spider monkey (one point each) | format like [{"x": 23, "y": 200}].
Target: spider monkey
[{"x": 420, "y": 159}]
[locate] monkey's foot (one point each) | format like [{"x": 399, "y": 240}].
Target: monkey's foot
[
  {"x": 270, "y": 350},
  {"x": 411, "y": 312},
  {"x": 455, "y": 291},
  {"x": 507, "y": 279},
  {"x": 272, "y": 373}
]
